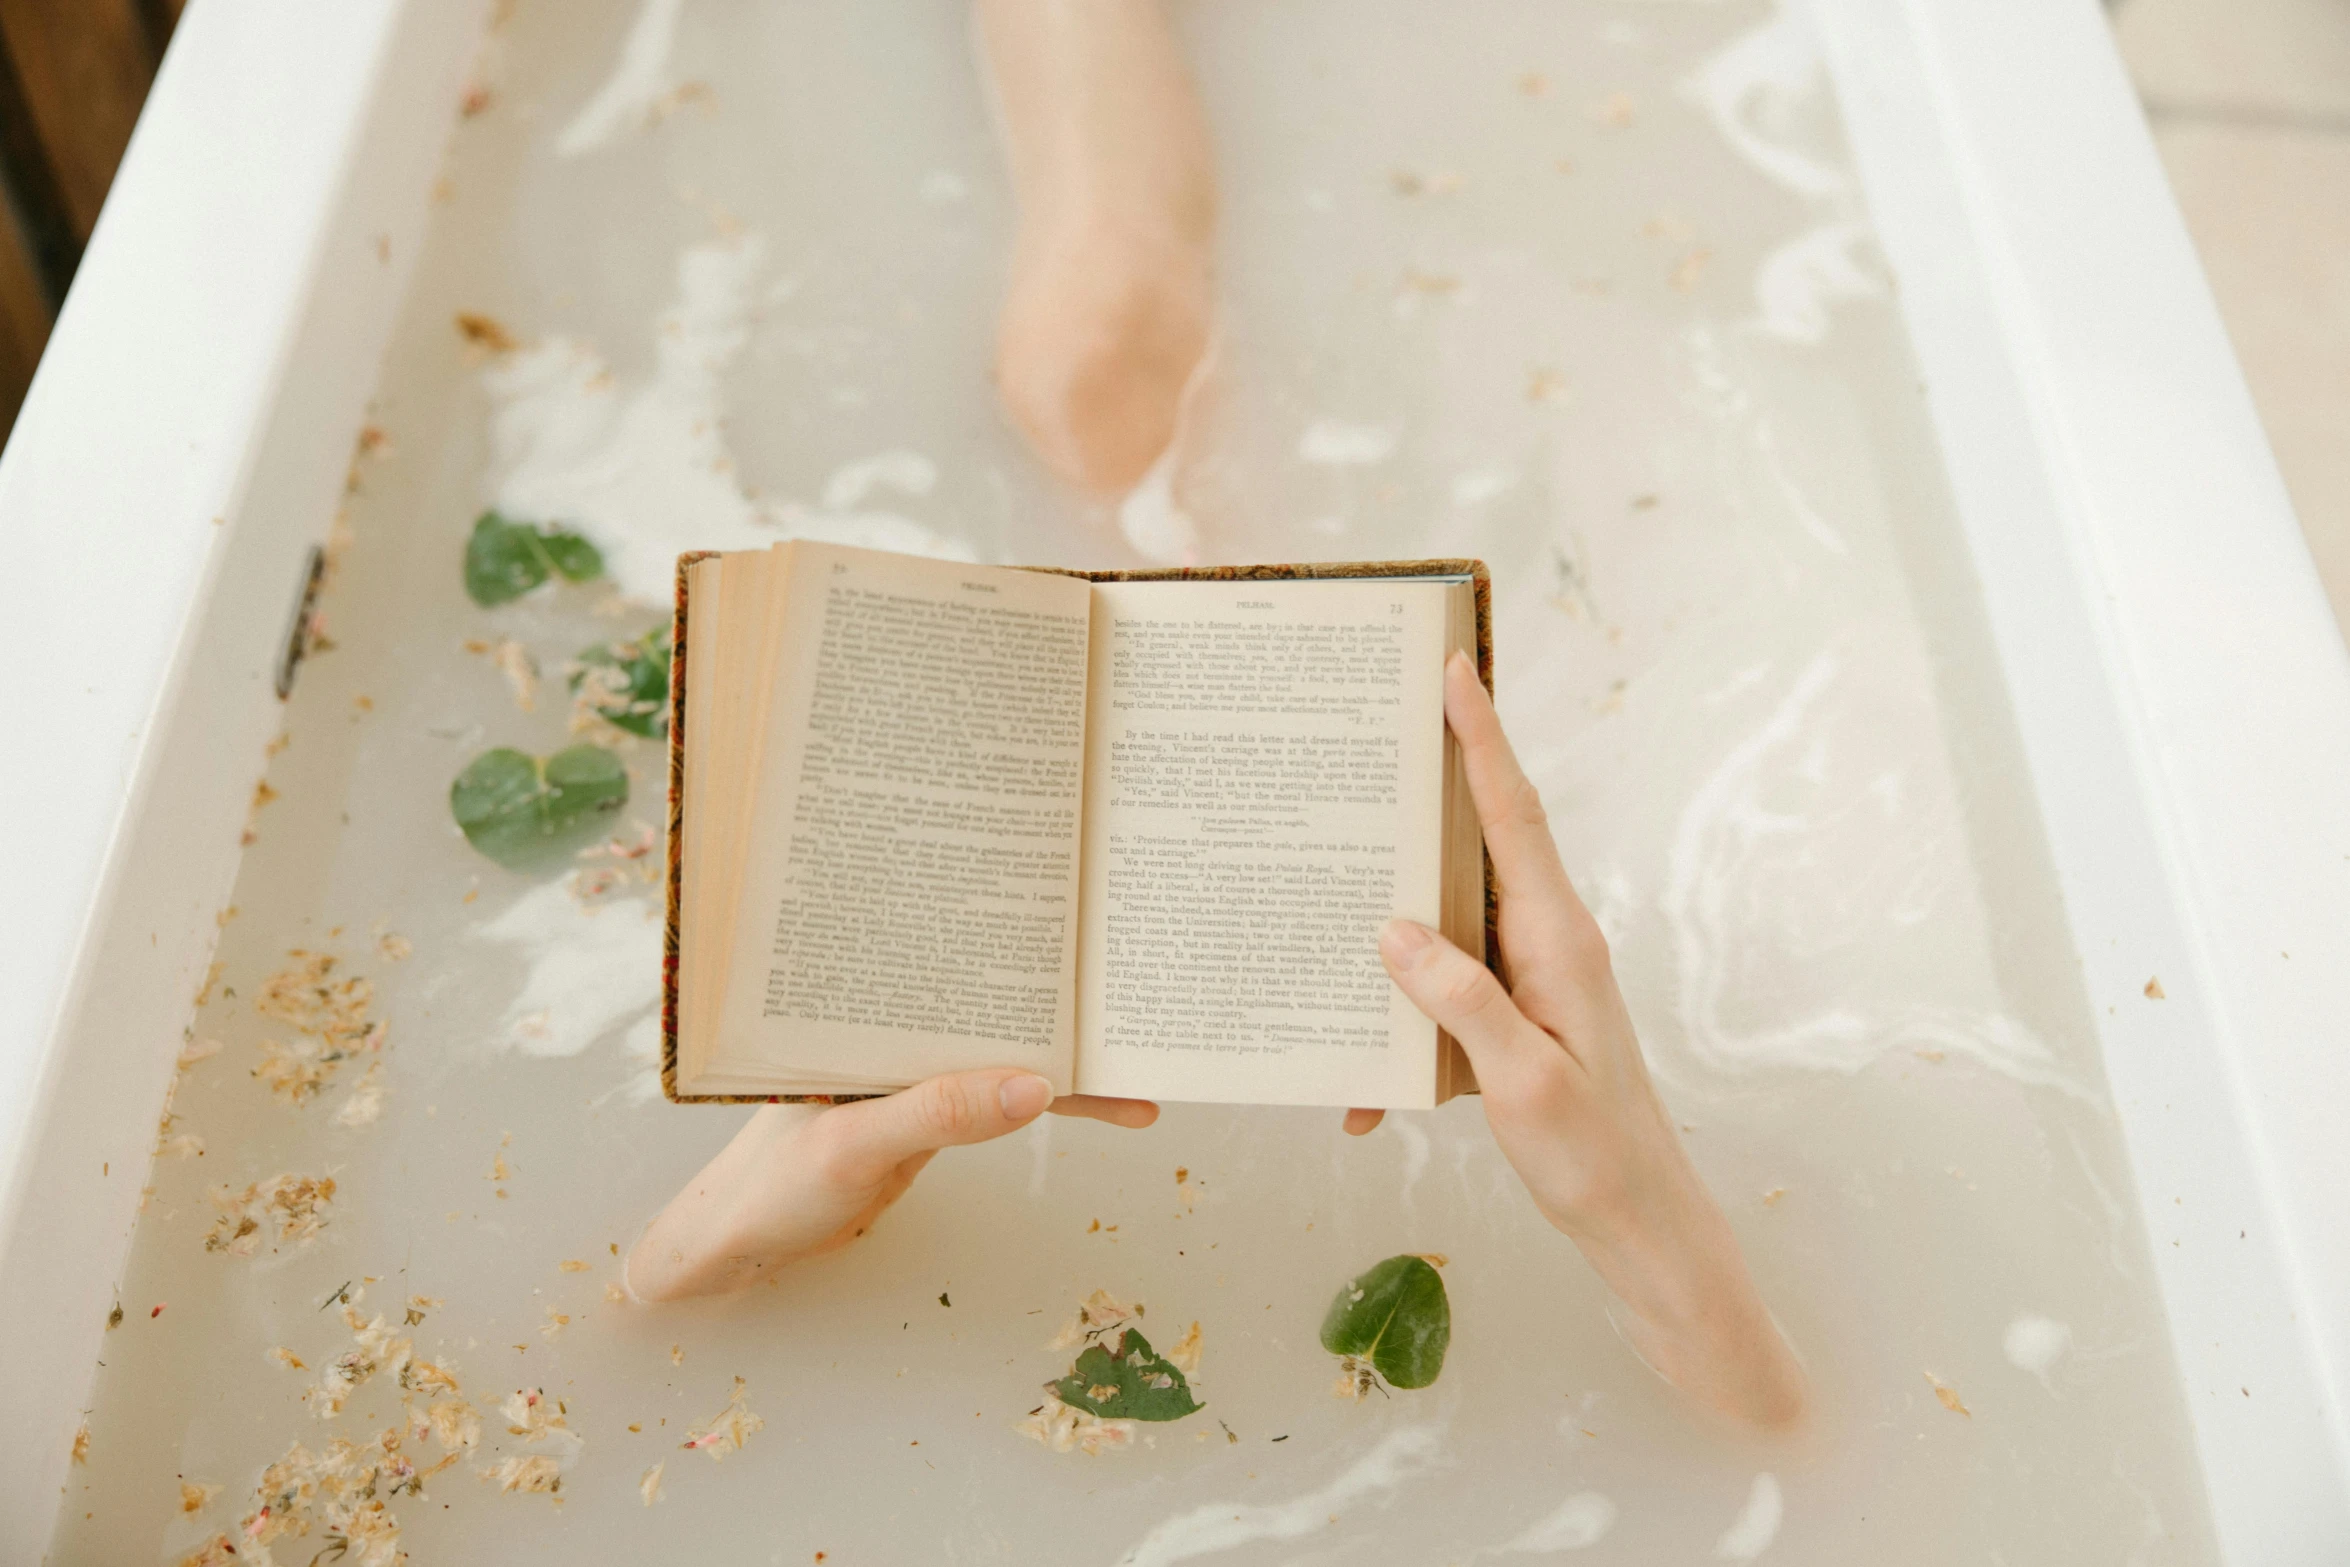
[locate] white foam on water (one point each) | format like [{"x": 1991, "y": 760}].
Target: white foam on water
[
  {"x": 1756, "y": 1526},
  {"x": 590, "y": 969},
  {"x": 1415, "y": 1151},
  {"x": 1725, "y": 825},
  {"x": 943, "y": 185},
  {"x": 646, "y": 471},
  {"x": 632, "y": 96},
  {"x": 1154, "y": 522},
  {"x": 1222, "y": 1526},
  {"x": 1581, "y": 1520},
  {"x": 2036, "y": 1344},
  {"x": 1477, "y": 485},
  {"x": 1799, "y": 280},
  {"x": 1334, "y": 443},
  {"x": 908, "y": 472},
  {"x": 1752, "y": 86}
]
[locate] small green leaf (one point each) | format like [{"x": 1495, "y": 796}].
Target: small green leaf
[
  {"x": 574, "y": 557},
  {"x": 521, "y": 811},
  {"x": 504, "y": 560},
  {"x": 1395, "y": 1318},
  {"x": 631, "y": 682},
  {"x": 1123, "y": 1378}
]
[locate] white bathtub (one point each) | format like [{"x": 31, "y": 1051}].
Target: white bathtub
[{"x": 2180, "y": 692}]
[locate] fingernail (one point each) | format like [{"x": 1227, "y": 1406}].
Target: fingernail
[
  {"x": 1402, "y": 938},
  {"x": 1024, "y": 1096}
]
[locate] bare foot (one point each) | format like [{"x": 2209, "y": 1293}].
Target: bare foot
[{"x": 1111, "y": 297}]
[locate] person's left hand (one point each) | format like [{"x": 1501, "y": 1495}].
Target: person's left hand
[{"x": 801, "y": 1180}]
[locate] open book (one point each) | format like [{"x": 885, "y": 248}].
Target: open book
[{"x": 1136, "y": 832}]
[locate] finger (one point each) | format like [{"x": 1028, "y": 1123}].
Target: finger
[
  {"x": 1359, "y": 1121},
  {"x": 1132, "y": 1113},
  {"x": 1461, "y": 996},
  {"x": 1509, "y": 807},
  {"x": 1545, "y": 929},
  {"x": 867, "y": 1140}
]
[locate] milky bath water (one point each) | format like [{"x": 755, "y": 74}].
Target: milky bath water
[{"x": 1587, "y": 291}]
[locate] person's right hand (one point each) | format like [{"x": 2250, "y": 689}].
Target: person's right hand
[{"x": 1569, "y": 1099}]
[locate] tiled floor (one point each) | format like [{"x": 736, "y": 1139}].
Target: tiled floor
[{"x": 2250, "y": 104}]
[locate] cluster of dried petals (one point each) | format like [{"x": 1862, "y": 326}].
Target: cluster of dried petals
[
  {"x": 331, "y": 1015},
  {"x": 531, "y": 1415},
  {"x": 1066, "y": 1429},
  {"x": 422, "y": 1376},
  {"x": 377, "y": 1348},
  {"x": 525, "y": 1472},
  {"x": 1100, "y": 1313},
  {"x": 618, "y": 865},
  {"x": 1356, "y": 1379},
  {"x": 183, "y": 1145},
  {"x": 602, "y": 688},
  {"x": 307, "y": 998},
  {"x": 450, "y": 1421},
  {"x": 728, "y": 1429},
  {"x": 288, "y": 1210},
  {"x": 340, "y": 1492}
]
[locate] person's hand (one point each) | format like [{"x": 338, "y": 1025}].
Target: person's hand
[
  {"x": 1570, "y": 1102},
  {"x": 801, "y": 1180}
]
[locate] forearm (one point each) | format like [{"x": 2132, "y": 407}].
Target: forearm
[{"x": 1692, "y": 1312}]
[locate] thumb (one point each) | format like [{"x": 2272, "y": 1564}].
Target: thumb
[
  {"x": 877, "y": 1135},
  {"x": 1459, "y": 994}
]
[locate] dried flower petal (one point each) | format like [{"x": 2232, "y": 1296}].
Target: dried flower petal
[
  {"x": 531, "y": 1415},
  {"x": 1065, "y": 1429},
  {"x": 1948, "y": 1396},
  {"x": 533, "y": 1472},
  {"x": 728, "y": 1429},
  {"x": 1184, "y": 1357}
]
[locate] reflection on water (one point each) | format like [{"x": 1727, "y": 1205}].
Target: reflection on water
[{"x": 1584, "y": 289}]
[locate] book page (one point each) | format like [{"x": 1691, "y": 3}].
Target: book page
[
  {"x": 910, "y": 881},
  {"x": 1264, "y": 788}
]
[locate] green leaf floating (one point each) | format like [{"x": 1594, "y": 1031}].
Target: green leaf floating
[
  {"x": 1393, "y": 1318},
  {"x": 631, "y": 682},
  {"x": 504, "y": 560},
  {"x": 520, "y": 810},
  {"x": 1132, "y": 1382}
]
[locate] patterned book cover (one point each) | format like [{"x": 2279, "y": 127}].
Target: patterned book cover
[{"x": 1474, "y": 570}]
